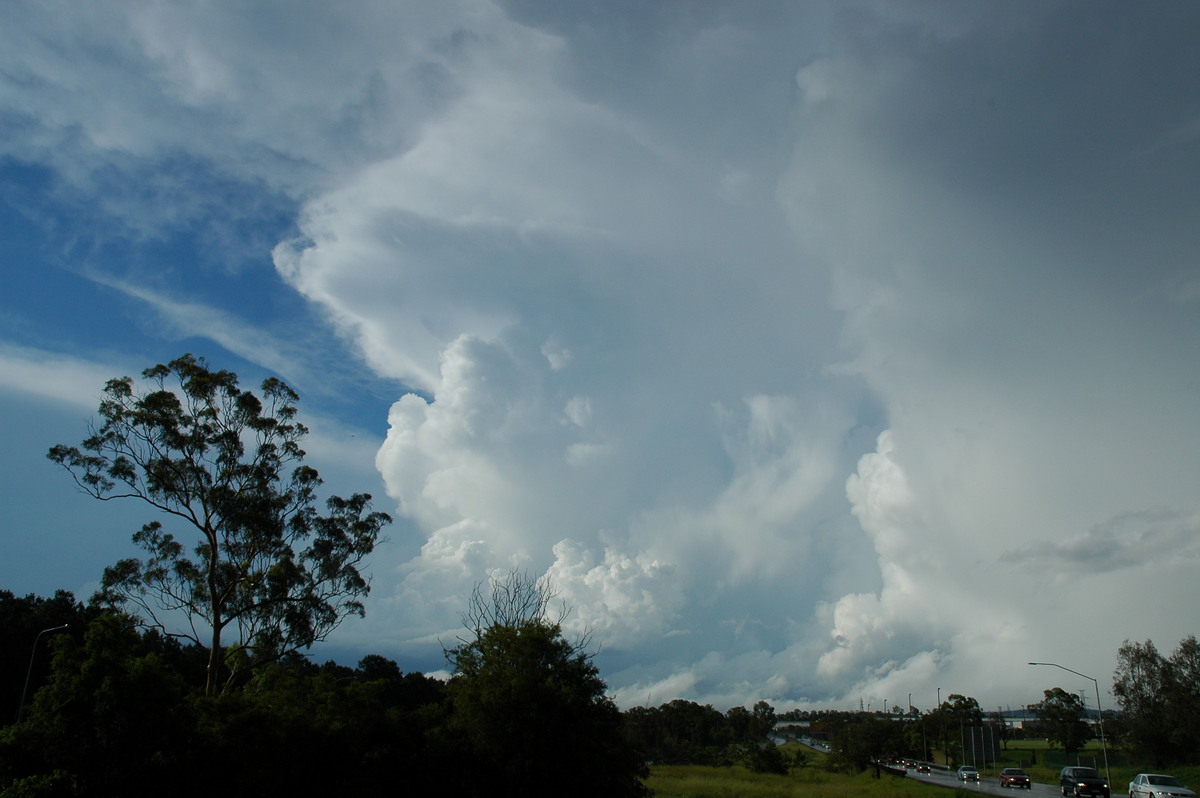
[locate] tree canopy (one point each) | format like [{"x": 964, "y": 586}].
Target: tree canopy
[
  {"x": 1159, "y": 697},
  {"x": 1060, "y": 713},
  {"x": 264, "y": 566},
  {"x": 530, "y": 706}
]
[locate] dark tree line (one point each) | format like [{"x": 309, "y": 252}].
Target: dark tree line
[
  {"x": 686, "y": 733},
  {"x": 185, "y": 671},
  {"x": 24, "y": 622},
  {"x": 122, "y": 710},
  {"x": 116, "y": 709},
  {"x": 859, "y": 740}
]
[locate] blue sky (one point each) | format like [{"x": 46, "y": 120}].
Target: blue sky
[{"x": 816, "y": 352}]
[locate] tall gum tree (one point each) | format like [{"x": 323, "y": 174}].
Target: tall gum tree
[{"x": 266, "y": 573}]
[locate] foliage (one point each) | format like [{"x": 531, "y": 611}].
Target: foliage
[
  {"x": 964, "y": 709},
  {"x": 119, "y": 713},
  {"x": 1160, "y": 700},
  {"x": 265, "y": 567},
  {"x": 859, "y": 740},
  {"x": 766, "y": 758},
  {"x": 530, "y": 711},
  {"x": 291, "y": 715},
  {"x": 684, "y": 732},
  {"x": 58, "y": 784},
  {"x": 679, "y": 732},
  {"x": 1060, "y": 714},
  {"x": 945, "y": 722},
  {"x": 27, "y": 625},
  {"x": 117, "y": 718},
  {"x": 112, "y": 715}
]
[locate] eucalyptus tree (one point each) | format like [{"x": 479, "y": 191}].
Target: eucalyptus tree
[{"x": 263, "y": 573}]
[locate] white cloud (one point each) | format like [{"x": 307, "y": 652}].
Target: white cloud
[
  {"x": 697, "y": 495},
  {"x": 661, "y": 293},
  {"x": 49, "y": 375}
]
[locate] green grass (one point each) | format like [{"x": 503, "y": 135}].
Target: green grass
[
  {"x": 813, "y": 781},
  {"x": 696, "y": 781}
]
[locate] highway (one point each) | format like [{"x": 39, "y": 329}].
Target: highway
[
  {"x": 988, "y": 786},
  {"x": 947, "y": 778}
]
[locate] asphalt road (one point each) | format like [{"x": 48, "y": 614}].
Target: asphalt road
[{"x": 988, "y": 786}]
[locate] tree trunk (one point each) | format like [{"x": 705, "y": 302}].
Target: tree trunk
[{"x": 214, "y": 650}]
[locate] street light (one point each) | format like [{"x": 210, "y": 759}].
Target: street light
[
  {"x": 28, "y": 673},
  {"x": 1096, "y": 684}
]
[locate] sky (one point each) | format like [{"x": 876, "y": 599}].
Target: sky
[{"x": 822, "y": 353}]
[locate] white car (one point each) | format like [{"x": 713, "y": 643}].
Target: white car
[
  {"x": 1158, "y": 785},
  {"x": 966, "y": 773}
]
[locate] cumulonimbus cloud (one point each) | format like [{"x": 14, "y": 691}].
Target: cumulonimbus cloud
[{"x": 797, "y": 348}]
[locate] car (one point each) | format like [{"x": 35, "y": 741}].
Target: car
[
  {"x": 1158, "y": 785},
  {"x": 1015, "y": 777},
  {"x": 922, "y": 767},
  {"x": 1080, "y": 781},
  {"x": 968, "y": 773}
]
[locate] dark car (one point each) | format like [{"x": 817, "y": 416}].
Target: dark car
[
  {"x": 1079, "y": 781},
  {"x": 1015, "y": 777}
]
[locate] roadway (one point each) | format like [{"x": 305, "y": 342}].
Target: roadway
[
  {"x": 986, "y": 786},
  {"x": 947, "y": 778}
]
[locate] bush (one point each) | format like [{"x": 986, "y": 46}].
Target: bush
[
  {"x": 766, "y": 758},
  {"x": 58, "y": 784}
]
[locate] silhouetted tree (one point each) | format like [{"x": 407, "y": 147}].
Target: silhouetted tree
[
  {"x": 683, "y": 732},
  {"x": 1140, "y": 686},
  {"x": 530, "y": 709},
  {"x": 1060, "y": 714},
  {"x": 22, "y": 620},
  {"x": 113, "y": 715},
  {"x": 265, "y": 566},
  {"x": 1159, "y": 699},
  {"x": 766, "y": 758},
  {"x": 858, "y": 740}
]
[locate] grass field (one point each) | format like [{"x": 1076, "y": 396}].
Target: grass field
[
  {"x": 810, "y": 781},
  {"x": 813, "y": 781},
  {"x": 695, "y": 781}
]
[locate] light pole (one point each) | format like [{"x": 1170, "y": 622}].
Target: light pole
[
  {"x": 1099, "y": 711},
  {"x": 942, "y": 727},
  {"x": 28, "y": 673}
]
